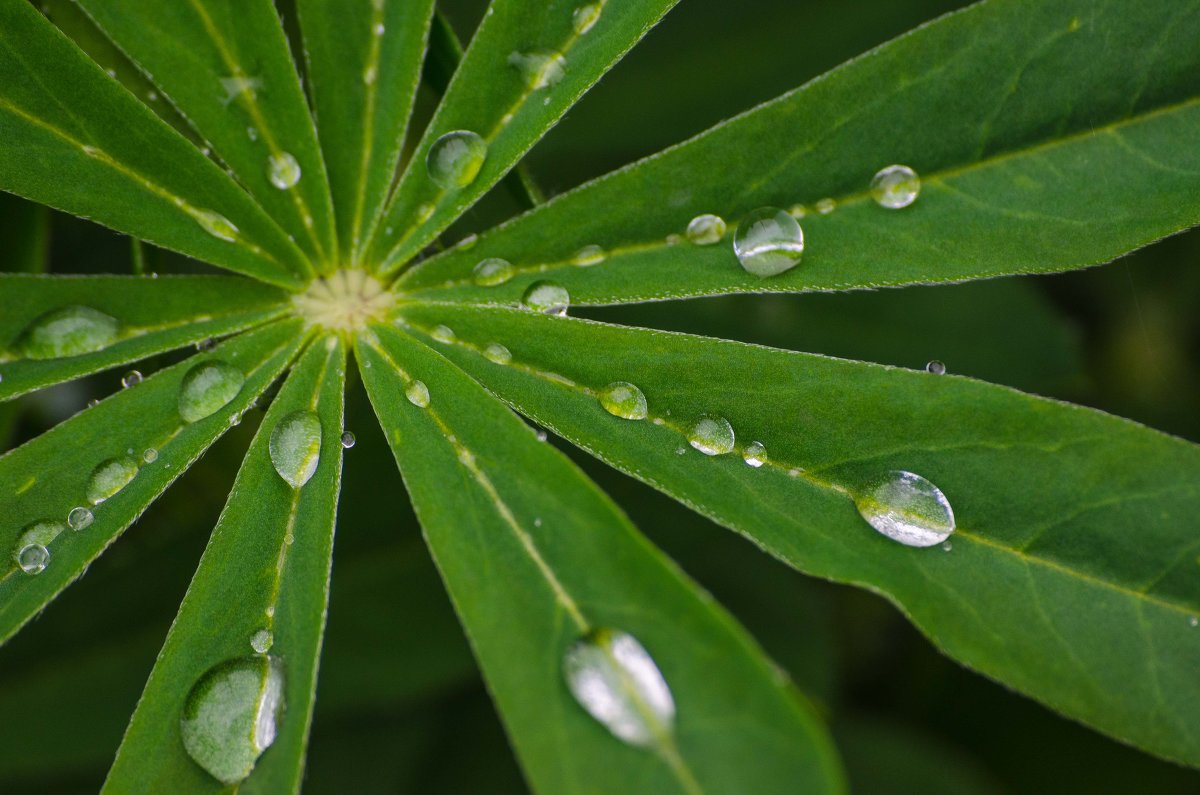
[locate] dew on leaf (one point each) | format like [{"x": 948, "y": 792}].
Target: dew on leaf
[
  {"x": 623, "y": 399},
  {"x": 109, "y": 477},
  {"x": 548, "y": 298},
  {"x": 936, "y": 367},
  {"x": 895, "y": 187},
  {"x": 32, "y": 553},
  {"x": 907, "y": 508},
  {"x": 768, "y": 242},
  {"x": 295, "y": 447},
  {"x": 215, "y": 224},
  {"x": 497, "y": 353},
  {"x": 454, "y": 159},
  {"x": 240, "y": 84},
  {"x": 826, "y": 206},
  {"x": 443, "y": 334},
  {"x": 417, "y": 394},
  {"x": 539, "y": 68},
  {"x": 493, "y": 271},
  {"x": 704, "y": 230},
  {"x": 207, "y": 388},
  {"x": 348, "y": 440},
  {"x": 262, "y": 641},
  {"x": 588, "y": 256},
  {"x": 80, "y": 518},
  {"x": 585, "y": 17},
  {"x": 755, "y": 454},
  {"x": 150, "y": 455},
  {"x": 132, "y": 378},
  {"x": 68, "y": 331},
  {"x": 712, "y": 435},
  {"x": 283, "y": 170}
]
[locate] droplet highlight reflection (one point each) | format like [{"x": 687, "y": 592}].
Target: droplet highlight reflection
[{"x": 768, "y": 242}]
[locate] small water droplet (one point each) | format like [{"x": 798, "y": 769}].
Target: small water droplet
[
  {"x": 615, "y": 679},
  {"x": 109, "y": 477},
  {"x": 206, "y": 345},
  {"x": 540, "y": 68},
  {"x": 673, "y": 239},
  {"x": 443, "y": 334},
  {"x": 704, "y": 230},
  {"x": 69, "y": 331},
  {"x": 584, "y": 18},
  {"x": 712, "y": 435},
  {"x": 370, "y": 74},
  {"x": 150, "y": 455},
  {"x": 623, "y": 399},
  {"x": 231, "y": 715},
  {"x": 936, "y": 367},
  {"x": 80, "y": 518},
  {"x": 295, "y": 447},
  {"x": 768, "y": 242},
  {"x": 680, "y": 450},
  {"x": 798, "y": 211},
  {"x": 215, "y": 224},
  {"x": 132, "y": 378},
  {"x": 262, "y": 641},
  {"x": 588, "y": 256},
  {"x": 417, "y": 394},
  {"x": 468, "y": 242},
  {"x": 379, "y": 29},
  {"x": 548, "y": 298},
  {"x": 825, "y": 206},
  {"x": 252, "y": 133},
  {"x": 755, "y": 454},
  {"x": 497, "y": 353},
  {"x": 895, "y": 187},
  {"x": 283, "y": 170},
  {"x": 493, "y": 271},
  {"x": 947, "y": 546},
  {"x": 1194, "y": 621},
  {"x": 348, "y": 440},
  {"x": 240, "y": 84},
  {"x": 93, "y": 403},
  {"x": 152, "y": 96},
  {"x": 907, "y": 508},
  {"x": 207, "y": 388},
  {"x": 32, "y": 553},
  {"x": 454, "y": 159}
]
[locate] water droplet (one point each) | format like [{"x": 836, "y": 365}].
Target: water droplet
[
  {"x": 468, "y": 242},
  {"x": 348, "y": 440},
  {"x": 443, "y": 334},
  {"x": 585, "y": 17},
  {"x": 80, "y": 518},
  {"x": 907, "y": 508},
  {"x": 712, "y": 435},
  {"x": 370, "y": 74},
  {"x": 548, "y": 298},
  {"x": 755, "y": 454},
  {"x": 238, "y": 85},
  {"x": 231, "y": 714},
  {"x": 493, "y": 271},
  {"x": 262, "y": 641},
  {"x": 589, "y": 256},
  {"x": 417, "y": 394},
  {"x": 150, "y": 455},
  {"x": 454, "y": 159},
  {"x": 93, "y": 402},
  {"x": 69, "y": 331},
  {"x": 206, "y": 345},
  {"x": 540, "y": 68},
  {"x": 616, "y": 680},
  {"x": 947, "y": 546},
  {"x": 109, "y": 477},
  {"x": 215, "y": 224},
  {"x": 32, "y": 552},
  {"x": 252, "y": 133},
  {"x": 207, "y": 388},
  {"x": 497, "y": 353},
  {"x": 295, "y": 447},
  {"x": 895, "y": 187},
  {"x": 826, "y": 206},
  {"x": 283, "y": 170},
  {"x": 798, "y": 211},
  {"x": 768, "y": 242},
  {"x": 1194, "y": 621},
  {"x": 623, "y": 399},
  {"x": 132, "y": 378},
  {"x": 704, "y": 230},
  {"x": 673, "y": 239},
  {"x": 379, "y": 29},
  {"x": 936, "y": 367}
]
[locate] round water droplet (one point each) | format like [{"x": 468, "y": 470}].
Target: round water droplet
[
  {"x": 207, "y": 388},
  {"x": 825, "y": 206},
  {"x": 1194, "y": 621},
  {"x": 704, "y": 230},
  {"x": 295, "y": 447},
  {"x": 497, "y": 353},
  {"x": 540, "y": 68},
  {"x": 454, "y": 159},
  {"x": 32, "y": 552},
  {"x": 132, "y": 378},
  {"x": 443, "y": 334},
  {"x": 379, "y": 29},
  {"x": 895, "y": 187},
  {"x": 768, "y": 242},
  {"x": 215, "y": 224},
  {"x": 712, "y": 435},
  {"x": 109, "y": 477},
  {"x": 69, "y": 331},
  {"x": 231, "y": 716},
  {"x": 80, "y": 518},
  {"x": 589, "y": 256},
  {"x": 150, "y": 455},
  {"x": 548, "y": 298},
  {"x": 584, "y": 18},
  {"x": 755, "y": 454},
  {"x": 283, "y": 170},
  {"x": 623, "y": 399},
  {"x": 936, "y": 367},
  {"x": 417, "y": 394},
  {"x": 947, "y": 546},
  {"x": 493, "y": 271},
  {"x": 907, "y": 508},
  {"x": 615, "y": 679},
  {"x": 348, "y": 440},
  {"x": 262, "y": 641}
]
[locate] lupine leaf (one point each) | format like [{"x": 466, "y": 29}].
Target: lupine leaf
[
  {"x": 535, "y": 557},
  {"x": 1072, "y": 574},
  {"x": 1048, "y": 137}
]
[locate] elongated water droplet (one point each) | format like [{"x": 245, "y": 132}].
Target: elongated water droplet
[
  {"x": 69, "y": 331},
  {"x": 493, "y": 271},
  {"x": 417, "y": 394},
  {"x": 548, "y": 298},
  {"x": 704, "y": 230},
  {"x": 443, "y": 334},
  {"x": 623, "y": 399},
  {"x": 755, "y": 454},
  {"x": 585, "y": 17},
  {"x": 907, "y": 508},
  {"x": 936, "y": 367},
  {"x": 231, "y": 716},
  {"x": 540, "y": 68},
  {"x": 283, "y": 170},
  {"x": 825, "y": 206},
  {"x": 215, "y": 224},
  {"x": 616, "y": 680},
  {"x": 295, "y": 447},
  {"x": 80, "y": 518},
  {"x": 109, "y": 477},
  {"x": 768, "y": 242},
  {"x": 348, "y": 440},
  {"x": 262, "y": 641},
  {"x": 895, "y": 187},
  {"x": 589, "y": 256},
  {"x": 32, "y": 553},
  {"x": 712, "y": 435},
  {"x": 454, "y": 159},
  {"x": 497, "y": 353},
  {"x": 132, "y": 378},
  {"x": 207, "y": 388}
]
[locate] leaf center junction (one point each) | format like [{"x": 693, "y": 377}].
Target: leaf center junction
[{"x": 346, "y": 301}]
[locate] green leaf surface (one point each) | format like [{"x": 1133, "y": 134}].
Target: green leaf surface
[
  {"x": 266, "y": 568},
  {"x": 535, "y": 557},
  {"x": 498, "y": 101},
  {"x": 46, "y": 478},
  {"x": 226, "y": 65},
  {"x": 364, "y": 65},
  {"x": 1072, "y": 574},
  {"x": 153, "y": 316},
  {"x": 1048, "y": 137}
]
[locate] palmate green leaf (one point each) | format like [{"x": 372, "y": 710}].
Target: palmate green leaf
[
  {"x": 1072, "y": 574},
  {"x": 364, "y": 65},
  {"x": 225, "y": 64},
  {"x": 494, "y": 97},
  {"x": 535, "y": 557},
  {"x": 1048, "y": 137},
  {"x": 52, "y": 474},
  {"x": 74, "y": 139},
  {"x": 152, "y": 316}
]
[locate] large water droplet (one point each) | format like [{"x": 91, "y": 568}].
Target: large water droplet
[
  {"x": 712, "y": 435},
  {"x": 69, "y": 331},
  {"x": 755, "y": 454},
  {"x": 540, "y": 68},
  {"x": 283, "y": 170},
  {"x": 296, "y": 447},
  {"x": 493, "y": 271},
  {"x": 80, "y": 518},
  {"x": 207, "y": 388},
  {"x": 617, "y": 681},
  {"x": 704, "y": 230},
  {"x": 497, "y": 353},
  {"x": 262, "y": 641},
  {"x": 454, "y": 159},
  {"x": 231, "y": 715},
  {"x": 623, "y": 399},
  {"x": 585, "y": 17},
  {"x": 417, "y": 394},
  {"x": 895, "y": 187},
  {"x": 907, "y": 508},
  {"x": 215, "y": 224},
  {"x": 32, "y": 552},
  {"x": 548, "y": 298},
  {"x": 109, "y": 477},
  {"x": 768, "y": 242},
  {"x": 443, "y": 334}
]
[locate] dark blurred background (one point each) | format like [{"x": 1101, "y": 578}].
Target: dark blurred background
[{"x": 401, "y": 707}]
